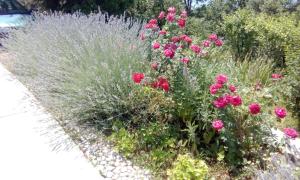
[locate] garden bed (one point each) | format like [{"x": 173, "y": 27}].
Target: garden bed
[{"x": 176, "y": 104}]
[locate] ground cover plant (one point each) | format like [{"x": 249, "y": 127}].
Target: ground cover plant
[{"x": 175, "y": 102}]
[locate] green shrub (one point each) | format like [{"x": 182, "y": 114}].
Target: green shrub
[
  {"x": 79, "y": 66},
  {"x": 187, "y": 168},
  {"x": 124, "y": 142}
]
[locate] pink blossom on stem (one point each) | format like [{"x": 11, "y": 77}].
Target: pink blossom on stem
[
  {"x": 156, "y": 45},
  {"x": 206, "y": 43},
  {"x": 280, "y": 112},
  {"x": 181, "y": 22},
  {"x": 290, "y": 132},
  {"x": 214, "y": 88},
  {"x": 218, "y": 125},
  {"x": 170, "y": 17},
  {"x": 213, "y": 37},
  {"x": 236, "y": 100},
  {"x": 161, "y": 15},
  {"x": 172, "y": 10},
  {"x": 254, "y": 108},
  {"x": 195, "y": 48},
  {"x": 221, "y": 78}
]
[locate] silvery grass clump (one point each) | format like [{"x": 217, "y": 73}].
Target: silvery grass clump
[{"x": 79, "y": 66}]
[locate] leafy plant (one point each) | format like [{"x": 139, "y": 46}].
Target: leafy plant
[{"x": 186, "y": 167}]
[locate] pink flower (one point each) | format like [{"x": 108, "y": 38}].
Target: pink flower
[
  {"x": 154, "y": 66},
  {"x": 153, "y": 21},
  {"x": 171, "y": 46},
  {"x": 138, "y": 77},
  {"x": 218, "y": 125},
  {"x": 154, "y": 84},
  {"x": 236, "y": 100},
  {"x": 163, "y": 84},
  {"x": 218, "y": 42},
  {"x": 221, "y": 79},
  {"x": 162, "y": 32},
  {"x": 181, "y": 22},
  {"x": 227, "y": 98},
  {"x": 206, "y": 43},
  {"x": 290, "y": 132},
  {"x": 232, "y": 88},
  {"x": 254, "y": 108},
  {"x": 182, "y": 37},
  {"x": 170, "y": 17},
  {"x": 214, "y": 88},
  {"x": 169, "y": 53},
  {"x": 183, "y": 14},
  {"x": 213, "y": 37},
  {"x": 220, "y": 102},
  {"x": 156, "y": 45},
  {"x": 172, "y": 10},
  {"x": 161, "y": 15},
  {"x": 185, "y": 60},
  {"x": 280, "y": 112},
  {"x": 151, "y": 26},
  {"x": 175, "y": 39},
  {"x": 276, "y": 76},
  {"x": 195, "y": 48}
]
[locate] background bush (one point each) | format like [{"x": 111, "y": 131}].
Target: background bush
[{"x": 79, "y": 66}]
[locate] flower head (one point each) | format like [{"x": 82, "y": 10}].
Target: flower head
[
  {"x": 206, "y": 43},
  {"x": 236, "y": 100},
  {"x": 175, "y": 39},
  {"x": 163, "y": 84},
  {"x": 169, "y": 53},
  {"x": 170, "y": 17},
  {"x": 138, "y": 77},
  {"x": 221, "y": 79},
  {"x": 161, "y": 15},
  {"x": 195, "y": 48},
  {"x": 220, "y": 102},
  {"x": 280, "y": 112},
  {"x": 214, "y": 88},
  {"x": 232, "y": 88},
  {"x": 185, "y": 60},
  {"x": 172, "y": 10},
  {"x": 181, "y": 22},
  {"x": 162, "y": 32},
  {"x": 183, "y": 14},
  {"x": 276, "y": 76},
  {"x": 218, "y": 42},
  {"x": 254, "y": 108},
  {"x": 187, "y": 39},
  {"x": 290, "y": 132},
  {"x": 156, "y": 45},
  {"x": 154, "y": 66},
  {"x": 213, "y": 37},
  {"x": 153, "y": 21},
  {"x": 218, "y": 125}
]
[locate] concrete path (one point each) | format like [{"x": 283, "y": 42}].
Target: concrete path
[{"x": 32, "y": 145}]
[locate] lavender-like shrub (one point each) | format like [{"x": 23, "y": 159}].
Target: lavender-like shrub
[{"x": 79, "y": 66}]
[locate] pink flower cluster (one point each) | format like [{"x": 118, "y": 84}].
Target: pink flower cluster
[
  {"x": 212, "y": 38},
  {"x": 179, "y": 41},
  {"x": 227, "y": 98},
  {"x": 161, "y": 83}
]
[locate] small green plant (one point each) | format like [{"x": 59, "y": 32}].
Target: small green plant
[
  {"x": 125, "y": 142},
  {"x": 187, "y": 168}
]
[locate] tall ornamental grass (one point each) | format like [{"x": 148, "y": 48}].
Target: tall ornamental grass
[{"x": 79, "y": 66}]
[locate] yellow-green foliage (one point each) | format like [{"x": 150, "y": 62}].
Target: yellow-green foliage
[
  {"x": 124, "y": 141},
  {"x": 187, "y": 168}
]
